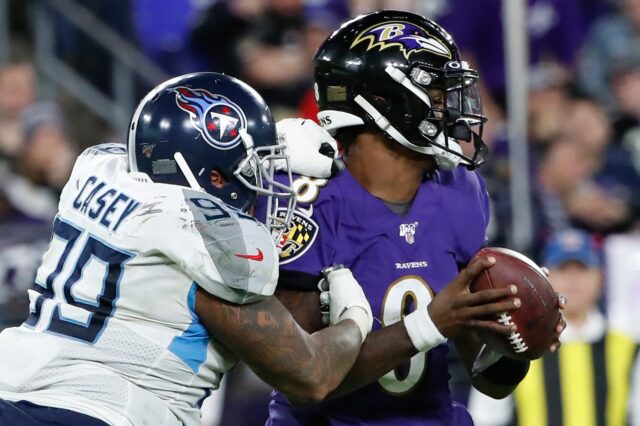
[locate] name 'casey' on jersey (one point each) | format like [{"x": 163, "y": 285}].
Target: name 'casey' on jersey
[
  {"x": 401, "y": 262},
  {"x": 112, "y": 331}
]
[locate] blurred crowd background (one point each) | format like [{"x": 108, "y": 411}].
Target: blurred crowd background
[{"x": 71, "y": 73}]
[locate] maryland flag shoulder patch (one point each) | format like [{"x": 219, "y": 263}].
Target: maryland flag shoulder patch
[{"x": 298, "y": 238}]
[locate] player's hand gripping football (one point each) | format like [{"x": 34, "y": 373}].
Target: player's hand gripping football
[
  {"x": 455, "y": 310},
  {"x": 341, "y": 297},
  {"x": 312, "y": 151},
  {"x": 487, "y": 356},
  {"x": 562, "y": 302}
]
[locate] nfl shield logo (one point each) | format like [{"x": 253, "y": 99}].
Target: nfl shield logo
[
  {"x": 408, "y": 231},
  {"x": 147, "y": 150}
]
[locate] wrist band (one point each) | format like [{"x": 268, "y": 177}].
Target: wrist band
[{"x": 422, "y": 331}]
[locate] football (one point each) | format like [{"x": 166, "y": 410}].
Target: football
[{"x": 538, "y": 315}]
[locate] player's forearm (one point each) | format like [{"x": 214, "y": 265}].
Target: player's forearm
[
  {"x": 332, "y": 353},
  {"x": 264, "y": 335},
  {"x": 311, "y": 366},
  {"x": 382, "y": 351}
]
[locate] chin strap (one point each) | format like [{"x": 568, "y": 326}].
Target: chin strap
[
  {"x": 446, "y": 159},
  {"x": 186, "y": 171}
]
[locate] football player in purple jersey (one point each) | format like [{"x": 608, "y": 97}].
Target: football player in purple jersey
[{"x": 406, "y": 215}]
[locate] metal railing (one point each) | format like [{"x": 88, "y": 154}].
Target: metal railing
[
  {"x": 127, "y": 62},
  {"x": 4, "y": 31}
]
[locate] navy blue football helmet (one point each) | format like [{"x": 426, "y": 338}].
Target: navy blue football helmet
[
  {"x": 401, "y": 73},
  {"x": 215, "y": 133}
]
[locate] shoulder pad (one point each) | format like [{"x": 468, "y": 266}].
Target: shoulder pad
[{"x": 238, "y": 247}]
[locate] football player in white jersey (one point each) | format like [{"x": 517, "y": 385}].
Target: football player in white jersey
[{"x": 158, "y": 279}]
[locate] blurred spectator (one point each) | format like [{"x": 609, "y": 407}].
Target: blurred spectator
[
  {"x": 582, "y": 382},
  {"x": 625, "y": 82},
  {"x": 220, "y": 28},
  {"x": 23, "y": 240},
  {"x": 582, "y": 179},
  {"x": 626, "y": 85},
  {"x": 261, "y": 42},
  {"x": 48, "y": 154},
  {"x": 321, "y": 18},
  {"x": 604, "y": 203},
  {"x": 561, "y": 171},
  {"x": 28, "y": 202},
  {"x": 44, "y": 164},
  {"x": 274, "y": 58},
  {"x": 548, "y": 103},
  {"x": 586, "y": 123},
  {"x": 612, "y": 40},
  {"x": 623, "y": 292},
  {"x": 163, "y": 29},
  {"x": 556, "y": 32},
  {"x": 17, "y": 92}
]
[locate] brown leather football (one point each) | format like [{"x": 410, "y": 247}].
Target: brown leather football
[{"x": 538, "y": 315}]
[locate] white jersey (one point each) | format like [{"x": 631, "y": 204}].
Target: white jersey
[{"x": 112, "y": 331}]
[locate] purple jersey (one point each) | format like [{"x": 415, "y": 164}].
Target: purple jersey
[{"x": 400, "y": 261}]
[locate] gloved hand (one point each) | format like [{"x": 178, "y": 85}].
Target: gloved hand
[
  {"x": 342, "y": 298},
  {"x": 312, "y": 151}
]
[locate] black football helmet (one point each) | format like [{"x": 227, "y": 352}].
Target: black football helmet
[
  {"x": 401, "y": 73},
  {"x": 193, "y": 125}
]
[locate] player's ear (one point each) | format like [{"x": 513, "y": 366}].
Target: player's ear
[{"x": 218, "y": 179}]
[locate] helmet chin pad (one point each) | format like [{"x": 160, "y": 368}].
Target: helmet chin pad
[
  {"x": 460, "y": 130},
  {"x": 446, "y": 160}
]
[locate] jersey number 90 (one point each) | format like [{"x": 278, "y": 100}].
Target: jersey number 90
[{"x": 77, "y": 297}]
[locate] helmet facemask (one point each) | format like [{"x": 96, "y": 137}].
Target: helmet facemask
[
  {"x": 257, "y": 172},
  {"x": 449, "y": 101}
]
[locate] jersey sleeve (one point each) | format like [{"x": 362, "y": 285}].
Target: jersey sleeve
[
  {"x": 84, "y": 163},
  {"x": 226, "y": 252},
  {"x": 311, "y": 244}
]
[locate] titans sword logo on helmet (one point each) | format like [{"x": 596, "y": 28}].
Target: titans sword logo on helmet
[
  {"x": 409, "y": 38},
  {"x": 217, "y": 119}
]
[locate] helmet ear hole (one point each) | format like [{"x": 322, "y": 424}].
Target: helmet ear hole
[{"x": 218, "y": 178}]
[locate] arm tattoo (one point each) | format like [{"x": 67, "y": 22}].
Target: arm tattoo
[
  {"x": 267, "y": 338},
  {"x": 382, "y": 351}
]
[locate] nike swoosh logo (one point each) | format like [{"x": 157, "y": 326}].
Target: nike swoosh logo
[{"x": 257, "y": 257}]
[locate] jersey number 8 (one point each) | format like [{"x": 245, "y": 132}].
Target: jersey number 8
[{"x": 402, "y": 297}]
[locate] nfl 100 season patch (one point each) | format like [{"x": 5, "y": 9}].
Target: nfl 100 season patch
[{"x": 408, "y": 231}]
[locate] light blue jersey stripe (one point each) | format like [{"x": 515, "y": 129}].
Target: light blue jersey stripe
[{"x": 191, "y": 345}]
